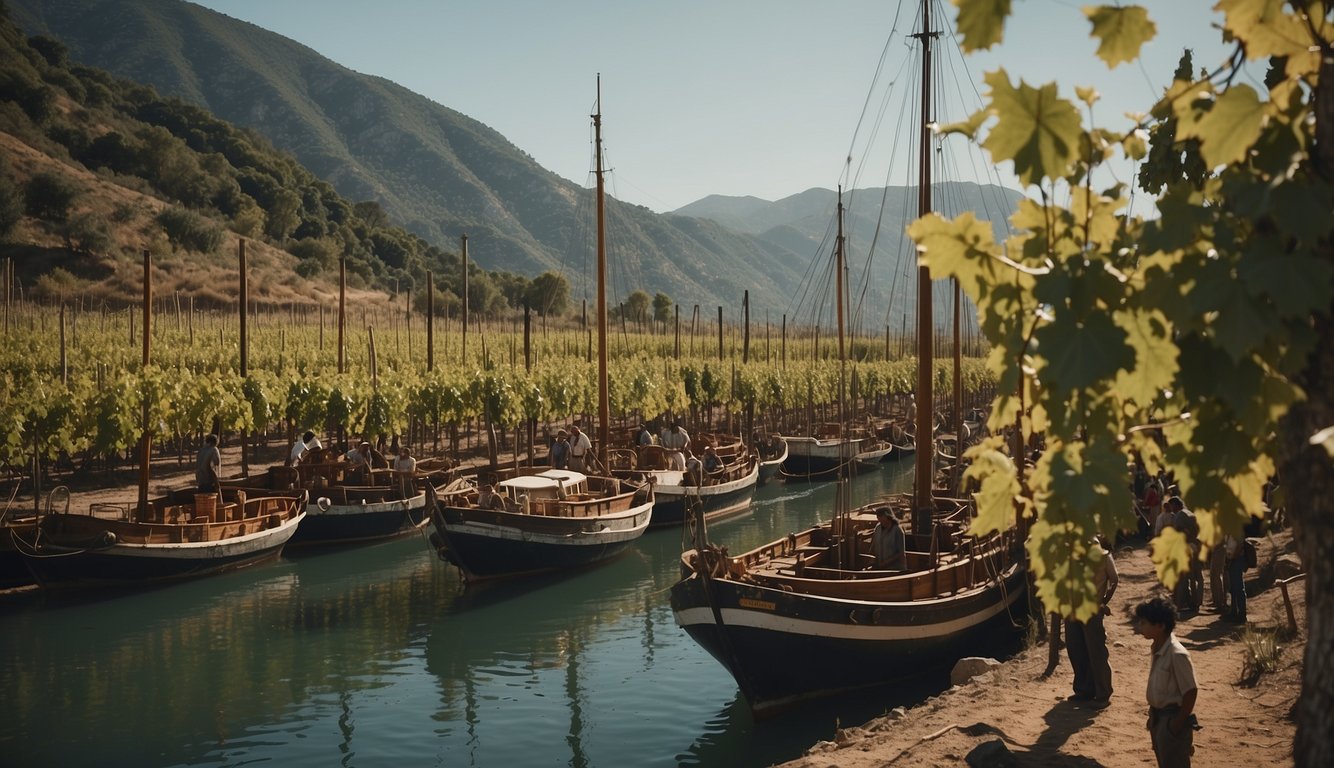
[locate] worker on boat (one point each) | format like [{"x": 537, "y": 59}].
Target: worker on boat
[
  {"x": 308, "y": 442},
  {"x": 643, "y": 436},
  {"x": 487, "y": 498},
  {"x": 359, "y": 461},
  {"x": 677, "y": 442},
  {"x": 713, "y": 464},
  {"x": 405, "y": 471},
  {"x": 208, "y": 466},
  {"x": 581, "y": 449},
  {"x": 888, "y": 543},
  {"x": 559, "y": 454}
]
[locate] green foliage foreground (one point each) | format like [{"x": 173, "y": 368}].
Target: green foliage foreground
[
  {"x": 1196, "y": 341},
  {"x": 1111, "y": 332}
]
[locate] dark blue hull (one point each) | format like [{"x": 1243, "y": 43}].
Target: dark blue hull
[
  {"x": 109, "y": 568},
  {"x": 783, "y": 647},
  {"x": 334, "y": 527},
  {"x": 484, "y": 557}
]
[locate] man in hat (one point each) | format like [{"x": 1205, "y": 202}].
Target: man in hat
[
  {"x": 559, "y": 454},
  {"x": 887, "y": 542},
  {"x": 359, "y": 463},
  {"x": 644, "y": 437}
]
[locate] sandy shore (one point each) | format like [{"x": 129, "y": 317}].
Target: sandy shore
[{"x": 1245, "y": 717}]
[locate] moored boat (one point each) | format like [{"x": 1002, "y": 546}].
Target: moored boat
[
  {"x": 355, "y": 507},
  {"x": 182, "y": 535},
  {"x": 820, "y": 456},
  {"x": 724, "y": 492},
  {"x": 821, "y": 611},
  {"x": 808, "y": 615},
  {"x": 773, "y": 452},
  {"x": 542, "y": 520}
]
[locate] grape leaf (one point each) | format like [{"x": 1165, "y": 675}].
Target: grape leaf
[
  {"x": 1228, "y": 130},
  {"x": 1035, "y": 129},
  {"x": 1122, "y": 31},
  {"x": 1083, "y": 353},
  {"x": 981, "y": 23}
]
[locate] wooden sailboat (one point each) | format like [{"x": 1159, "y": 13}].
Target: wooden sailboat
[
  {"x": 724, "y": 491},
  {"x": 375, "y": 506},
  {"x": 178, "y": 536},
  {"x": 540, "y": 520},
  {"x": 810, "y": 614}
]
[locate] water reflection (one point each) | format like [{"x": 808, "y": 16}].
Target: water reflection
[{"x": 379, "y": 655}]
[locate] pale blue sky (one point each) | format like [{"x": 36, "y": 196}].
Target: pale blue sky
[{"x": 699, "y": 97}]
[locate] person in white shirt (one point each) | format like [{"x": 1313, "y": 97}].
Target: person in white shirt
[
  {"x": 1172, "y": 690},
  {"x": 308, "y": 442},
  {"x": 676, "y": 441},
  {"x": 405, "y": 470},
  {"x": 580, "y": 447}
]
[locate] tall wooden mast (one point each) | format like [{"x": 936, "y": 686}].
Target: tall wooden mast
[
  {"x": 604, "y": 403},
  {"x": 925, "y": 440}
]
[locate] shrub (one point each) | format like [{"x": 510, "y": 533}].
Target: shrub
[
  {"x": 190, "y": 231},
  {"x": 88, "y": 233},
  {"x": 49, "y": 196},
  {"x": 11, "y": 204}
]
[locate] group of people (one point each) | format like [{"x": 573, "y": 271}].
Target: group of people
[
  {"x": 1160, "y": 508},
  {"x": 359, "y": 462},
  {"x": 573, "y": 450}
]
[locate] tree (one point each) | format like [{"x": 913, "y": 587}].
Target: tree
[
  {"x": 11, "y": 205},
  {"x": 662, "y": 307},
  {"x": 49, "y": 196},
  {"x": 549, "y": 294},
  {"x": 1198, "y": 342},
  {"x": 636, "y": 306}
]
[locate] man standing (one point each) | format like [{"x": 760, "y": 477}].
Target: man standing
[
  {"x": 580, "y": 447},
  {"x": 1086, "y": 641},
  {"x": 208, "y": 466},
  {"x": 405, "y": 472},
  {"x": 1172, "y": 690},
  {"x": 676, "y": 441},
  {"x": 888, "y": 543},
  {"x": 559, "y": 455}
]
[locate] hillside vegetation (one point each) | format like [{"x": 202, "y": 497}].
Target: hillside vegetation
[{"x": 100, "y": 169}]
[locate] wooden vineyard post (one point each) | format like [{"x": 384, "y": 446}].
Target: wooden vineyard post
[
  {"x": 146, "y": 441},
  {"x": 430, "y": 321}
]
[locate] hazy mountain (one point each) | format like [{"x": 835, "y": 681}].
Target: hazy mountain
[{"x": 441, "y": 174}]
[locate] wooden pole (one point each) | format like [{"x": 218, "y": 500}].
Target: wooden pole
[
  {"x": 604, "y": 404},
  {"x": 745, "y": 343},
  {"x": 244, "y": 289},
  {"x": 720, "y": 334},
  {"x": 677, "y": 353},
  {"x": 430, "y": 321},
  {"x": 463, "y": 355},
  {"x": 342, "y": 312},
  {"x": 146, "y": 441}
]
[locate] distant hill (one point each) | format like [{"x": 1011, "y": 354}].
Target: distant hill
[
  {"x": 436, "y": 172},
  {"x": 805, "y": 223},
  {"x": 441, "y": 174}
]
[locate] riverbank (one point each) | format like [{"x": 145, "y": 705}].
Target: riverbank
[{"x": 1245, "y": 715}]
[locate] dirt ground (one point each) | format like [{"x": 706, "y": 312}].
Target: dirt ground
[{"x": 1245, "y": 717}]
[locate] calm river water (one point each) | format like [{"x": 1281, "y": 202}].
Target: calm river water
[{"x": 377, "y": 657}]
